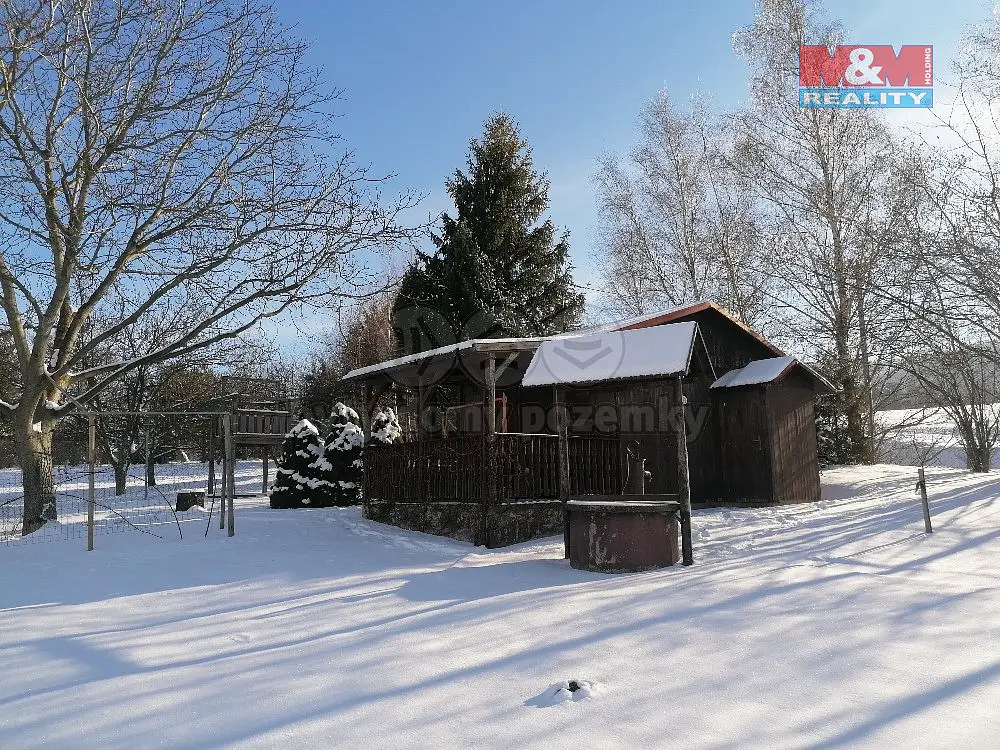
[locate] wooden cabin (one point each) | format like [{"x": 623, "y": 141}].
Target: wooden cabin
[{"x": 499, "y": 433}]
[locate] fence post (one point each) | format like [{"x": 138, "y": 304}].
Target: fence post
[
  {"x": 211, "y": 456},
  {"x": 91, "y": 461},
  {"x": 368, "y": 407},
  {"x": 227, "y": 426},
  {"x": 922, "y": 485}
]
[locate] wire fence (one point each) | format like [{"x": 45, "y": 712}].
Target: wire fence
[{"x": 157, "y": 475}]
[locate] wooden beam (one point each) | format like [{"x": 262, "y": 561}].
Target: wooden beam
[
  {"x": 227, "y": 438},
  {"x": 499, "y": 347},
  {"x": 421, "y": 395},
  {"x": 683, "y": 473},
  {"x": 505, "y": 364},
  {"x": 562, "y": 425},
  {"x": 91, "y": 467}
]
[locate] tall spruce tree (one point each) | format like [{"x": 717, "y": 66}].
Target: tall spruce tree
[{"x": 499, "y": 269}]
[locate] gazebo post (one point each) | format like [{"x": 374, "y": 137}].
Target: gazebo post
[
  {"x": 683, "y": 473},
  {"x": 366, "y": 426},
  {"x": 562, "y": 426},
  {"x": 421, "y": 394},
  {"x": 489, "y": 449}
]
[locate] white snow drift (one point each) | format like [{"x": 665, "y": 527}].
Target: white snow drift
[{"x": 838, "y": 624}]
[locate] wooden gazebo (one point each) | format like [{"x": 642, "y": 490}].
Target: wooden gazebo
[{"x": 501, "y": 432}]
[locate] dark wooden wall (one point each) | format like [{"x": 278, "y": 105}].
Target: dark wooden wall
[
  {"x": 745, "y": 445},
  {"x": 729, "y": 346},
  {"x": 791, "y": 410},
  {"x": 703, "y": 440},
  {"x": 767, "y": 435},
  {"x": 637, "y": 404}
]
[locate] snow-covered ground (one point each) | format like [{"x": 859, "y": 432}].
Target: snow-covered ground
[
  {"x": 140, "y": 507},
  {"x": 838, "y": 624},
  {"x": 924, "y": 434}
]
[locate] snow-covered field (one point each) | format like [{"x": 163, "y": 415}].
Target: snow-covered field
[
  {"x": 838, "y": 624},
  {"x": 141, "y": 507},
  {"x": 927, "y": 434}
]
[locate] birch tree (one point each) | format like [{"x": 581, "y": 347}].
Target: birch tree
[
  {"x": 676, "y": 225},
  {"x": 838, "y": 202},
  {"x": 150, "y": 152}
]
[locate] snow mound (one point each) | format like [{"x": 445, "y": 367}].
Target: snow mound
[{"x": 567, "y": 691}]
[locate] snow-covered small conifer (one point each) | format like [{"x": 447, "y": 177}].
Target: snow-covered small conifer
[
  {"x": 343, "y": 453},
  {"x": 385, "y": 428},
  {"x": 294, "y": 485}
]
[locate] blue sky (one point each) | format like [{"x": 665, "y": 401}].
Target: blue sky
[{"x": 420, "y": 77}]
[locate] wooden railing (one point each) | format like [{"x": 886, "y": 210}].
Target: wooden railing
[
  {"x": 252, "y": 427},
  {"x": 595, "y": 466},
  {"x": 527, "y": 468},
  {"x": 448, "y": 469}
]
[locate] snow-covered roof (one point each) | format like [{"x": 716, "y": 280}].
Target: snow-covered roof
[
  {"x": 645, "y": 321},
  {"x": 763, "y": 371},
  {"x": 613, "y": 355},
  {"x": 438, "y": 352}
]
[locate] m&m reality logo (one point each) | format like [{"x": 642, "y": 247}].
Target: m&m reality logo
[{"x": 875, "y": 75}]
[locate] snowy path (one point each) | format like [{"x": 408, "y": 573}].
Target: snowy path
[{"x": 832, "y": 625}]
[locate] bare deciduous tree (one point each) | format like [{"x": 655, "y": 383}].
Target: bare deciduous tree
[
  {"x": 189, "y": 383},
  {"x": 838, "y": 200},
  {"x": 364, "y": 336},
  {"x": 154, "y": 152},
  {"x": 676, "y": 225}
]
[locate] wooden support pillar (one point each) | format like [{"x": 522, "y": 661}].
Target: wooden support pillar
[
  {"x": 366, "y": 426},
  {"x": 225, "y": 475},
  {"x": 562, "y": 426},
  {"x": 421, "y": 483},
  {"x": 421, "y": 395},
  {"x": 683, "y": 473},
  {"x": 265, "y": 454},
  {"x": 489, "y": 450},
  {"x": 91, "y": 469},
  {"x": 211, "y": 456},
  {"x": 230, "y": 449}
]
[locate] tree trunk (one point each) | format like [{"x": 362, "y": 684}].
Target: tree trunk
[
  {"x": 849, "y": 398},
  {"x": 150, "y": 471},
  {"x": 34, "y": 451},
  {"x": 978, "y": 456},
  {"x": 121, "y": 476}
]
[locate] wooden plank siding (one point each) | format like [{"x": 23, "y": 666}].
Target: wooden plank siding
[
  {"x": 768, "y": 439},
  {"x": 527, "y": 468},
  {"x": 644, "y": 410},
  {"x": 704, "y": 460},
  {"x": 728, "y": 347},
  {"x": 745, "y": 440},
  {"x": 795, "y": 460},
  {"x": 257, "y": 427}
]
